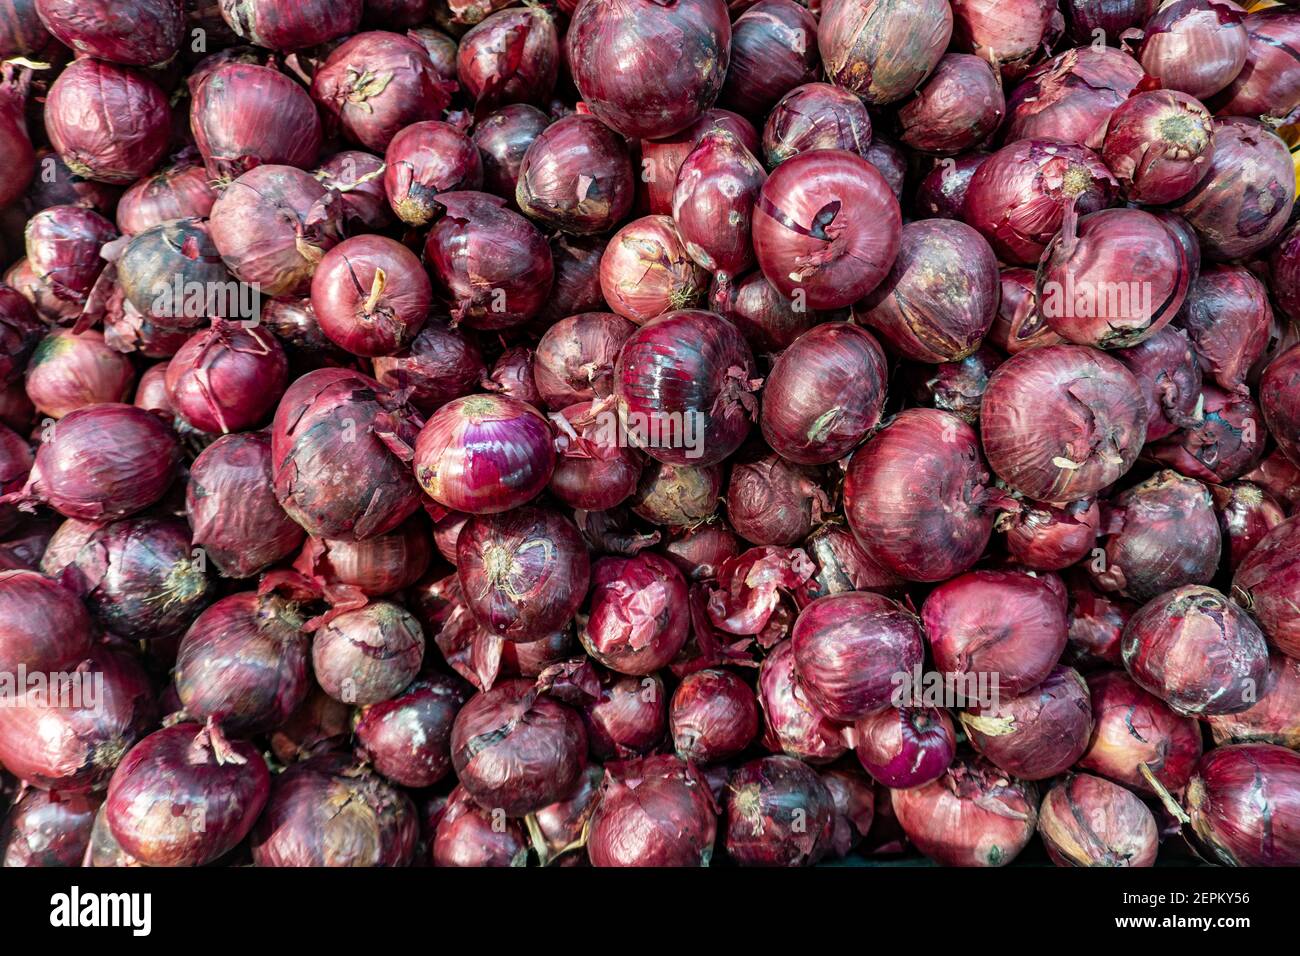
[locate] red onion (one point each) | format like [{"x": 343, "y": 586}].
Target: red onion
[
  {"x": 1062, "y": 422},
  {"x": 16, "y": 461},
  {"x": 770, "y": 501},
  {"x": 512, "y": 377},
  {"x": 1272, "y": 719},
  {"x": 425, "y": 160},
  {"x": 376, "y": 84},
  {"x": 628, "y": 718},
  {"x": 792, "y": 723},
  {"x": 1037, "y": 734},
  {"x": 1010, "y": 35},
  {"x": 1242, "y": 805},
  {"x": 408, "y": 738},
  {"x": 68, "y": 372},
  {"x": 359, "y": 179},
  {"x": 956, "y": 387},
  {"x": 468, "y": 835},
  {"x": 243, "y": 663},
  {"x": 178, "y": 191},
  {"x": 917, "y": 496},
  {"x": 292, "y": 26},
  {"x": 1196, "y": 46},
  {"x": 1018, "y": 197},
  {"x": 942, "y": 192},
  {"x": 1088, "y": 821},
  {"x": 503, "y": 139},
  {"x": 638, "y": 617},
  {"x": 773, "y": 49},
  {"x": 63, "y": 244},
  {"x": 698, "y": 552},
  {"x": 226, "y": 379},
  {"x": 576, "y": 176},
  {"x": 328, "y": 811},
  {"x": 1222, "y": 445},
  {"x": 683, "y": 384},
  {"x": 321, "y": 723},
  {"x": 516, "y": 750},
  {"x": 245, "y": 115},
  {"x": 957, "y": 108},
  {"x": 940, "y": 296},
  {"x": 135, "y": 33},
  {"x": 1136, "y": 738},
  {"x": 440, "y": 47},
  {"x": 232, "y": 509},
  {"x": 827, "y": 224},
  {"x": 21, "y": 31},
  {"x": 370, "y": 295},
  {"x": 1025, "y": 611},
  {"x": 881, "y": 51},
  {"x": 815, "y": 116},
  {"x": 336, "y": 473},
  {"x": 647, "y": 270},
  {"x": 173, "y": 273},
  {"x": 691, "y": 40},
  {"x": 974, "y": 815},
  {"x": 82, "y": 118},
  {"x": 1070, "y": 97},
  {"x": 1243, "y": 202},
  {"x": 1246, "y": 514},
  {"x": 1267, "y": 85},
  {"x": 472, "y": 445},
  {"x": 48, "y": 829},
  {"x": 678, "y": 495},
  {"x": 1197, "y": 652},
  {"x": 103, "y": 850},
  {"x": 1265, "y": 584},
  {"x": 20, "y": 331},
  {"x": 1047, "y": 537},
  {"x": 345, "y": 569},
  {"x": 70, "y": 734},
  {"x": 510, "y": 57},
  {"x": 1159, "y": 145},
  {"x": 713, "y": 205},
  {"x": 1279, "y": 398},
  {"x": 779, "y": 813},
  {"x": 560, "y": 829},
  {"x": 593, "y": 472},
  {"x": 294, "y": 324},
  {"x": 272, "y": 225},
  {"x": 441, "y": 364},
  {"x": 906, "y": 747},
  {"x": 662, "y": 158},
  {"x": 1169, "y": 373},
  {"x": 104, "y": 462},
  {"x": 575, "y": 358},
  {"x": 713, "y": 717},
  {"x": 185, "y": 796},
  {"x": 369, "y": 654},
  {"x": 890, "y": 161},
  {"x": 64, "y": 544},
  {"x": 652, "y": 812},
  {"x": 1228, "y": 318},
  {"x": 767, "y": 319},
  {"x": 1281, "y": 479},
  {"x": 1106, "y": 19},
  {"x": 15, "y": 140},
  {"x": 841, "y": 565}
]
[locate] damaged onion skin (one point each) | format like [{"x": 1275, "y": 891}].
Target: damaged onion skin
[
  {"x": 46, "y": 828},
  {"x": 1159, "y": 145},
  {"x": 881, "y": 51},
  {"x": 713, "y": 717},
  {"x": 647, "y": 270},
  {"x": 575, "y": 358},
  {"x": 577, "y": 177},
  {"x": 509, "y": 57},
  {"x": 653, "y": 812},
  {"x": 425, "y": 160},
  {"x": 440, "y": 364},
  {"x": 628, "y": 719},
  {"x": 906, "y": 747},
  {"x": 1136, "y": 738},
  {"x": 815, "y": 116},
  {"x": 1038, "y": 734},
  {"x": 292, "y": 26},
  {"x": 408, "y": 738},
  {"x": 1244, "y": 805},
  {"x": 1274, "y": 718},
  {"x": 468, "y": 835},
  {"x": 369, "y": 654},
  {"x": 713, "y": 204},
  {"x": 1088, "y": 821},
  {"x": 227, "y": 379},
  {"x": 1247, "y": 513},
  {"x": 136, "y": 33},
  {"x": 956, "y": 109},
  {"x": 1070, "y": 97},
  {"x": 771, "y": 52},
  {"x": 772, "y": 502},
  {"x": 1279, "y": 399},
  {"x": 1221, "y": 444},
  {"x": 792, "y": 723},
  {"x": 1196, "y": 651},
  {"x": 1085, "y": 424},
  {"x": 371, "y": 295},
  {"x": 1168, "y": 369},
  {"x": 974, "y": 815},
  {"x": 1045, "y": 537},
  {"x": 1228, "y": 319},
  {"x": 1196, "y": 46},
  {"x": 1266, "y": 582},
  {"x": 779, "y": 813},
  {"x": 638, "y": 619}
]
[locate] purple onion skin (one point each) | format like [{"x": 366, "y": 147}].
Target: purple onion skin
[
  {"x": 1196, "y": 46},
  {"x": 1011, "y": 36},
  {"x": 942, "y": 192},
  {"x": 21, "y": 31},
  {"x": 468, "y": 835},
  {"x": 369, "y": 654},
  {"x": 577, "y": 177},
  {"x": 1168, "y": 370},
  {"x": 1279, "y": 398},
  {"x": 1223, "y": 444},
  {"x": 1274, "y": 718},
  {"x": 1265, "y": 584},
  {"x": 1228, "y": 319},
  {"x": 638, "y": 619},
  {"x": 1196, "y": 651},
  {"x": 575, "y": 358},
  {"x": 139, "y": 33},
  {"x": 956, "y": 109},
  {"x": 771, "y": 52},
  {"x": 793, "y": 724},
  {"x": 1038, "y": 734},
  {"x": 906, "y": 747},
  {"x": 1247, "y": 513},
  {"x": 1088, "y": 821},
  {"x": 559, "y": 830},
  {"x": 425, "y": 160},
  {"x": 371, "y": 295},
  {"x": 779, "y": 813},
  {"x": 295, "y": 26},
  {"x": 628, "y": 719},
  {"x": 713, "y": 204},
  {"x": 408, "y": 738},
  {"x": 713, "y": 717},
  {"x": 43, "y": 625},
  {"x": 177, "y": 191},
  {"x": 1133, "y": 729},
  {"x": 1243, "y": 805},
  {"x": 657, "y": 811},
  {"x": 767, "y": 319},
  {"x": 441, "y": 364},
  {"x": 48, "y": 829},
  {"x": 303, "y": 824},
  {"x": 1159, "y": 145},
  {"x": 1070, "y": 97},
  {"x": 184, "y": 796},
  {"x": 503, "y": 139},
  {"x": 881, "y": 52},
  {"x": 815, "y": 116}
]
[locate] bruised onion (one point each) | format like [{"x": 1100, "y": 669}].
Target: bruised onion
[
  {"x": 468, "y": 835},
  {"x": 1036, "y": 734},
  {"x": 47, "y": 829},
  {"x": 779, "y": 813},
  {"x": 1169, "y": 373},
  {"x": 243, "y": 662},
  {"x": 232, "y": 508},
  {"x": 226, "y": 379},
  {"x": 881, "y": 51},
  {"x": 772, "y": 51},
  {"x": 713, "y": 717},
  {"x": 1196, "y": 46},
  {"x": 408, "y": 738},
  {"x": 516, "y": 750},
  {"x": 173, "y": 274},
  {"x": 510, "y": 57},
  {"x": 700, "y": 551},
  {"x": 1220, "y": 445},
  {"x": 678, "y": 495},
  {"x": 815, "y": 116},
  {"x": 1026, "y": 611},
  {"x": 627, "y": 718},
  {"x": 691, "y": 40},
  {"x": 713, "y": 204},
  {"x": 1088, "y": 821},
  {"x": 576, "y": 176},
  {"x": 370, "y": 295},
  {"x": 656, "y": 811},
  {"x": 1070, "y": 97},
  {"x": 956, "y": 387},
  {"x": 1136, "y": 737},
  {"x": 1196, "y": 651},
  {"x": 185, "y": 796},
  {"x": 917, "y": 496},
  {"x": 1228, "y": 318},
  {"x": 1241, "y": 804},
  {"x": 905, "y": 747},
  {"x": 178, "y": 191},
  {"x": 1158, "y": 145},
  {"x": 575, "y": 357},
  {"x": 1265, "y": 584},
  {"x": 957, "y": 108},
  {"x": 638, "y": 618},
  {"x": 70, "y": 371},
  {"x": 440, "y": 364},
  {"x": 304, "y": 23},
  {"x": 425, "y": 160},
  {"x": 1045, "y": 537},
  {"x": 826, "y": 224}
]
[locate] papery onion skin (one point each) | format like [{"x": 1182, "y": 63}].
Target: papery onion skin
[
  {"x": 1265, "y": 584},
  {"x": 1088, "y": 821},
  {"x": 792, "y": 723},
  {"x": 70, "y": 371},
  {"x": 359, "y": 177},
  {"x": 1159, "y": 145},
  {"x": 244, "y": 662},
  {"x": 842, "y": 565},
  {"x": 328, "y": 811},
  {"x": 1019, "y": 324},
  {"x": 772, "y": 51},
  {"x": 516, "y": 751},
  {"x": 16, "y": 461},
  {"x": 1133, "y": 729},
  {"x": 1243, "y": 805},
  {"x": 178, "y": 191},
  {"x": 1111, "y": 17},
  {"x": 906, "y": 747},
  {"x": 1267, "y": 85},
  {"x": 173, "y": 274},
  {"x": 638, "y": 615},
  {"x": 881, "y": 51},
  {"x": 629, "y": 718},
  {"x": 974, "y": 815},
  {"x": 772, "y": 502},
  {"x": 698, "y": 552},
  {"x": 20, "y": 332},
  {"x": 1018, "y": 197},
  {"x": 1274, "y": 717},
  {"x": 595, "y": 472},
  {"x": 661, "y": 159},
  {"x": 226, "y": 379},
  {"x": 1062, "y": 422},
  {"x": 321, "y": 723},
  {"x": 1011, "y": 36},
  {"x": 511, "y": 56},
  {"x": 960, "y": 613},
  {"x": 1044, "y": 537},
  {"x": 916, "y": 496},
  {"x": 940, "y": 296},
  {"x": 1220, "y": 445},
  {"x": 80, "y": 119},
  {"x": 652, "y": 812},
  {"x": 374, "y": 566},
  {"x": 1197, "y": 651},
  {"x": 942, "y": 191},
  {"x": 575, "y": 357},
  {"x": 175, "y": 778},
  {"x": 956, "y": 109},
  {"x": 559, "y": 831},
  {"x": 503, "y": 138},
  {"x": 1196, "y": 46},
  {"x": 1243, "y": 202},
  {"x": 408, "y": 738},
  {"x": 815, "y": 116},
  {"x": 291, "y": 26},
  {"x": 695, "y": 35},
  {"x": 1279, "y": 399},
  {"x": 63, "y": 244},
  {"x": 853, "y": 794},
  {"x": 370, "y": 295},
  {"x": 713, "y": 204},
  {"x": 425, "y": 160},
  {"x": 327, "y": 425},
  {"x": 826, "y": 223},
  {"x": 767, "y": 319},
  {"x": 852, "y": 651},
  {"x": 1070, "y": 97},
  {"x": 576, "y": 289},
  {"x": 368, "y": 655},
  {"x": 21, "y": 31},
  {"x": 468, "y": 835},
  {"x": 779, "y": 813},
  {"x": 1037, "y": 734},
  {"x": 577, "y": 177},
  {"x": 232, "y": 508},
  {"x": 647, "y": 270},
  {"x": 47, "y": 829},
  {"x": 713, "y": 717},
  {"x": 686, "y": 374},
  {"x": 1168, "y": 370},
  {"x": 440, "y": 364},
  {"x": 1246, "y": 514},
  {"x": 1228, "y": 317}
]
